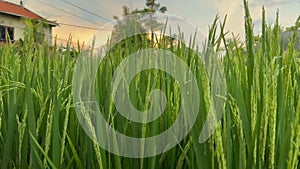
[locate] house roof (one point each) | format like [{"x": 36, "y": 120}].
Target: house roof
[{"x": 21, "y": 11}]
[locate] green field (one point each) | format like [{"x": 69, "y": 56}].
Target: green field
[{"x": 260, "y": 127}]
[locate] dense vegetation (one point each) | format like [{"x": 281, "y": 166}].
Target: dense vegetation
[{"x": 260, "y": 127}]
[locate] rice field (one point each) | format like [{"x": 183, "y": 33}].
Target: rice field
[{"x": 260, "y": 126}]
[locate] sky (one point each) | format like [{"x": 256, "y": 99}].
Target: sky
[{"x": 201, "y": 13}]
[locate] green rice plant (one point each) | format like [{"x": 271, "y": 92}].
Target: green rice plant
[{"x": 260, "y": 128}]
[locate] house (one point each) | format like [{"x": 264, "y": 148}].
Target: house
[{"x": 12, "y": 23}]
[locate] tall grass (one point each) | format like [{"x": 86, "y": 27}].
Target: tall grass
[{"x": 260, "y": 126}]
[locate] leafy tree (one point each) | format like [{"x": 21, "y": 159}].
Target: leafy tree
[
  {"x": 151, "y": 8},
  {"x": 129, "y": 25},
  {"x": 136, "y": 22}
]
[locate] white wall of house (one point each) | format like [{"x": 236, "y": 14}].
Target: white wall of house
[{"x": 19, "y": 26}]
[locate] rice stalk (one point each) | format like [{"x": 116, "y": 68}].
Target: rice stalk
[
  {"x": 64, "y": 135},
  {"x": 21, "y": 131},
  {"x": 48, "y": 131}
]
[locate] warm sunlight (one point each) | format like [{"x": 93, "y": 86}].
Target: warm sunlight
[{"x": 94, "y": 84}]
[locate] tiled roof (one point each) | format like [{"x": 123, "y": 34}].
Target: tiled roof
[{"x": 18, "y": 10}]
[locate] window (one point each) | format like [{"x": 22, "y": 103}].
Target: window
[
  {"x": 6, "y": 33},
  {"x": 2, "y": 33},
  {"x": 10, "y": 32}
]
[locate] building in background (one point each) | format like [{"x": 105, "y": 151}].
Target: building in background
[
  {"x": 12, "y": 22},
  {"x": 288, "y": 37}
]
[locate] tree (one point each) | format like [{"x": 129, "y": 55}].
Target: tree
[
  {"x": 136, "y": 22},
  {"x": 129, "y": 25},
  {"x": 151, "y": 8}
]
